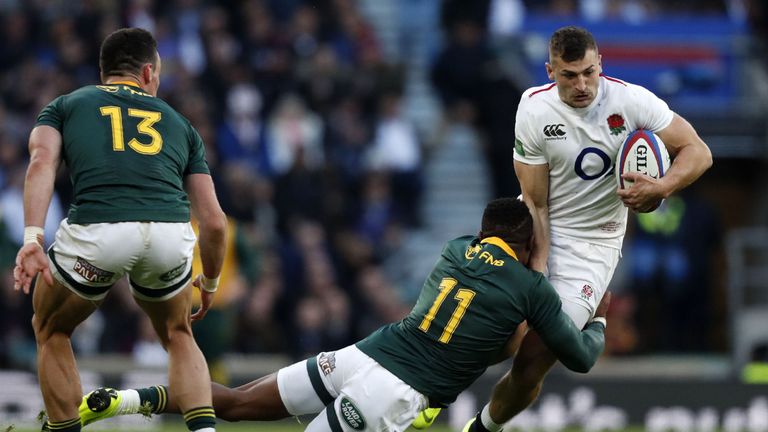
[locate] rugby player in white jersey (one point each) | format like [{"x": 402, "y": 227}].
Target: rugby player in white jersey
[{"x": 567, "y": 136}]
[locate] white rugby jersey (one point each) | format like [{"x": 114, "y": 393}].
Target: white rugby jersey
[{"x": 580, "y": 145}]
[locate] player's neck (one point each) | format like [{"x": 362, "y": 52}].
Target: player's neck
[{"x": 123, "y": 79}]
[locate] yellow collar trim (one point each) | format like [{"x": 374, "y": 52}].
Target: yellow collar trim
[
  {"x": 130, "y": 83},
  {"x": 496, "y": 241}
]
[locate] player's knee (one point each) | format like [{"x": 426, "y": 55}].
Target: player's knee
[{"x": 45, "y": 330}]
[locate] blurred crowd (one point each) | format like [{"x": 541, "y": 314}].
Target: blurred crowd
[{"x": 316, "y": 163}]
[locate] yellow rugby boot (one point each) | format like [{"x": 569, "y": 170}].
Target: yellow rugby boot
[
  {"x": 99, "y": 404},
  {"x": 425, "y": 418}
]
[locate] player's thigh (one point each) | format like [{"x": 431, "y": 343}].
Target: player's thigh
[
  {"x": 382, "y": 411},
  {"x": 353, "y": 384},
  {"x": 164, "y": 268},
  {"x": 57, "y": 309},
  {"x": 89, "y": 259},
  {"x": 305, "y": 387},
  {"x": 170, "y": 315},
  {"x": 372, "y": 398},
  {"x": 258, "y": 400},
  {"x": 580, "y": 273},
  {"x": 309, "y": 386}
]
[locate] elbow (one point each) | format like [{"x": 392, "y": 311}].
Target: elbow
[
  {"x": 215, "y": 224},
  {"x": 581, "y": 366},
  {"x": 705, "y": 156},
  {"x": 708, "y": 160}
]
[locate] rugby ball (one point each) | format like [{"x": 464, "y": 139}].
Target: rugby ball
[{"x": 642, "y": 152}]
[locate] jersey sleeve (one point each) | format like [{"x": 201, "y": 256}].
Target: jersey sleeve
[
  {"x": 577, "y": 350},
  {"x": 52, "y": 115},
  {"x": 197, "y": 163},
  {"x": 528, "y": 148},
  {"x": 652, "y": 113}
]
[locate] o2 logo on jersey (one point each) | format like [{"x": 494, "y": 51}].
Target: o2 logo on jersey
[{"x": 593, "y": 163}]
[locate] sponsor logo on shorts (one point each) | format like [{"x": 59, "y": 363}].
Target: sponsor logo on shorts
[
  {"x": 587, "y": 292},
  {"x": 327, "y": 362},
  {"x": 90, "y": 272},
  {"x": 174, "y": 273},
  {"x": 351, "y": 414},
  {"x": 611, "y": 227}
]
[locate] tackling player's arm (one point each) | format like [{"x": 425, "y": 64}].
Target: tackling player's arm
[
  {"x": 691, "y": 158},
  {"x": 577, "y": 350},
  {"x": 45, "y": 156},
  {"x": 534, "y": 182},
  {"x": 212, "y": 223}
]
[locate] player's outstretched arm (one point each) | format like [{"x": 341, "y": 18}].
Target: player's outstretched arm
[{"x": 577, "y": 349}]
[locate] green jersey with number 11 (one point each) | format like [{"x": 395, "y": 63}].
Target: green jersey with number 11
[
  {"x": 127, "y": 153},
  {"x": 469, "y": 307}
]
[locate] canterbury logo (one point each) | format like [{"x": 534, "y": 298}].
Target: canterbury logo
[{"x": 554, "y": 130}]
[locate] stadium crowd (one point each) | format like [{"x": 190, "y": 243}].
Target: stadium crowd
[{"x": 315, "y": 162}]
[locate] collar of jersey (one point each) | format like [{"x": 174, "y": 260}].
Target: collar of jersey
[
  {"x": 496, "y": 241},
  {"x": 130, "y": 83}
]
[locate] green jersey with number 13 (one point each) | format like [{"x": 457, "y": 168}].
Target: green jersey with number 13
[{"x": 127, "y": 153}]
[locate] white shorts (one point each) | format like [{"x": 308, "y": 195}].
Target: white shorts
[
  {"x": 351, "y": 391},
  {"x": 156, "y": 256},
  {"x": 580, "y": 272}
]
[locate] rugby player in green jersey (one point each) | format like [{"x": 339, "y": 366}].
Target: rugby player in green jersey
[
  {"x": 136, "y": 167},
  {"x": 478, "y": 293}
]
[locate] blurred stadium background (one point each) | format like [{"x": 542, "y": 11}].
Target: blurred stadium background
[{"x": 350, "y": 138}]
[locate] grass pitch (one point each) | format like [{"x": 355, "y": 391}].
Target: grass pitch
[{"x": 257, "y": 426}]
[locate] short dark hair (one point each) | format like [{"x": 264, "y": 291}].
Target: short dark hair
[
  {"x": 508, "y": 219},
  {"x": 571, "y": 43},
  {"x": 126, "y": 50}
]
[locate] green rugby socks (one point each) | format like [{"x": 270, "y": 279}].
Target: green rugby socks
[
  {"x": 72, "y": 425},
  {"x": 155, "y": 397},
  {"x": 201, "y": 419}
]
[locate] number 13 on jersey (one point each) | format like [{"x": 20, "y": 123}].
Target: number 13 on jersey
[
  {"x": 148, "y": 118},
  {"x": 464, "y": 297}
]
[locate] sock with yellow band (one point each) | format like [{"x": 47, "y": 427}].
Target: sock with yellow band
[
  {"x": 201, "y": 419},
  {"x": 155, "y": 397},
  {"x": 72, "y": 425}
]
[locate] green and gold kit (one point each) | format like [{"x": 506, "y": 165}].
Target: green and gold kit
[
  {"x": 470, "y": 305},
  {"x": 127, "y": 152}
]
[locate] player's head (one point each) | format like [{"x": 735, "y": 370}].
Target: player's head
[
  {"x": 574, "y": 64},
  {"x": 131, "y": 52},
  {"x": 510, "y": 220}
]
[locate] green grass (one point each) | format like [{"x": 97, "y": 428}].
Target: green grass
[
  {"x": 271, "y": 427},
  {"x": 225, "y": 427}
]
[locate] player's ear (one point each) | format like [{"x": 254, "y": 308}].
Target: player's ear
[
  {"x": 146, "y": 73},
  {"x": 550, "y": 71},
  {"x": 600, "y": 63}
]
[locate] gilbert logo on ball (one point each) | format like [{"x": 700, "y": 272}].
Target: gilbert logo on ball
[{"x": 642, "y": 152}]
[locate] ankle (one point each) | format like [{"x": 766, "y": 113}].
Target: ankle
[
  {"x": 71, "y": 425},
  {"x": 201, "y": 419},
  {"x": 485, "y": 419}
]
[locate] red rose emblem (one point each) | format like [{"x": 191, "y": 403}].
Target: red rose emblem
[
  {"x": 615, "y": 121},
  {"x": 616, "y": 124}
]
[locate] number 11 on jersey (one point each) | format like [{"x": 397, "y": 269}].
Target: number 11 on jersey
[{"x": 463, "y": 295}]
